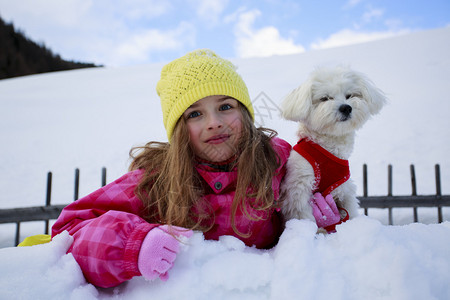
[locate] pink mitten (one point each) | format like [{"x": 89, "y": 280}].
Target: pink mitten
[
  {"x": 325, "y": 210},
  {"x": 159, "y": 250}
]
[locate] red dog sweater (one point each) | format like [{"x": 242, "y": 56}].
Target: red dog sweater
[{"x": 329, "y": 170}]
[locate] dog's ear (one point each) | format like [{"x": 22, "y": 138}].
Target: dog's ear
[
  {"x": 297, "y": 105},
  {"x": 373, "y": 95}
]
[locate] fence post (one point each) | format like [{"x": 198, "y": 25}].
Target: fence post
[
  {"x": 77, "y": 184},
  {"x": 103, "y": 176},
  {"x": 438, "y": 190},
  {"x": 17, "y": 233},
  {"x": 414, "y": 191},
  {"x": 390, "y": 192},
  {"x": 365, "y": 192},
  {"x": 48, "y": 197}
]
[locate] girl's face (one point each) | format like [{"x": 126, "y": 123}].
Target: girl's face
[{"x": 214, "y": 124}]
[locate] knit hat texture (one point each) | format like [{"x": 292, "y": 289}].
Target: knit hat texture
[{"x": 198, "y": 74}]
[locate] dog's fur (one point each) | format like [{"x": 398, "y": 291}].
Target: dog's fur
[{"x": 330, "y": 106}]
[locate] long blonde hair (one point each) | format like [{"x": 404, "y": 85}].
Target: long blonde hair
[{"x": 171, "y": 188}]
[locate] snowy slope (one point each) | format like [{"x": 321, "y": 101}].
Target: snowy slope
[{"x": 91, "y": 118}]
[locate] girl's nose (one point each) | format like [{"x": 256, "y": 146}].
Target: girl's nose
[{"x": 214, "y": 121}]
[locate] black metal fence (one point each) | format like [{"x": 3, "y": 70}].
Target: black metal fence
[
  {"x": 414, "y": 201},
  {"x": 51, "y": 212},
  {"x": 41, "y": 213}
]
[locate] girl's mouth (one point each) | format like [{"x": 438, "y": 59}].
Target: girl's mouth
[{"x": 218, "y": 139}]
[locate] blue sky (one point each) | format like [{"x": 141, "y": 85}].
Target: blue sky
[{"x": 130, "y": 32}]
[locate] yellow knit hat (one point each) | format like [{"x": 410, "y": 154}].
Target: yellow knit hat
[{"x": 198, "y": 74}]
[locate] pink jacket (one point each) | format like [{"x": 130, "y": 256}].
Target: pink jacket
[{"x": 108, "y": 225}]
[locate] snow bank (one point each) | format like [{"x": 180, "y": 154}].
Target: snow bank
[
  {"x": 43, "y": 272},
  {"x": 363, "y": 260}
]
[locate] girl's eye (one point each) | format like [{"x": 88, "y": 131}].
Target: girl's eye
[
  {"x": 193, "y": 114},
  {"x": 225, "y": 107}
]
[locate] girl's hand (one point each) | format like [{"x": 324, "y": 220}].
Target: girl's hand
[
  {"x": 325, "y": 210},
  {"x": 159, "y": 250}
]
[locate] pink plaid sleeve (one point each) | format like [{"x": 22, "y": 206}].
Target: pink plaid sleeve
[{"x": 108, "y": 230}]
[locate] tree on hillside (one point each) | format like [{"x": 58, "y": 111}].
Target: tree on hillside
[{"x": 21, "y": 56}]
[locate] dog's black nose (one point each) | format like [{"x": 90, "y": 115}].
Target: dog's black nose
[{"x": 345, "y": 109}]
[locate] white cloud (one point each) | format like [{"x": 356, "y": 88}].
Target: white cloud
[
  {"x": 139, "y": 47},
  {"x": 210, "y": 10},
  {"x": 348, "y": 37},
  {"x": 371, "y": 14},
  {"x": 262, "y": 42},
  {"x": 141, "y": 9},
  {"x": 104, "y": 32},
  {"x": 29, "y": 12},
  {"x": 393, "y": 23},
  {"x": 351, "y": 3},
  {"x": 118, "y": 32}
]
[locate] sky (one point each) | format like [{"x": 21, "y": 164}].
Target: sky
[{"x": 132, "y": 32}]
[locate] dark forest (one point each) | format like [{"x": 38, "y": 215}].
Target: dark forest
[{"x": 21, "y": 56}]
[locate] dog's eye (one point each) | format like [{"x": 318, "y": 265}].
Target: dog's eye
[
  {"x": 326, "y": 98},
  {"x": 348, "y": 96}
]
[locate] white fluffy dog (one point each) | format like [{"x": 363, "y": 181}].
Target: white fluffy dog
[{"x": 330, "y": 106}]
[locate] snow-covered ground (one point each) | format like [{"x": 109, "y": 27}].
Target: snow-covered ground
[
  {"x": 363, "y": 260},
  {"x": 88, "y": 119}
]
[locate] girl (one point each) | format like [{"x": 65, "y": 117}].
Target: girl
[{"x": 218, "y": 174}]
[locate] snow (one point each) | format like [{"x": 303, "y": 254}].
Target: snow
[
  {"x": 91, "y": 118},
  {"x": 363, "y": 260}
]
